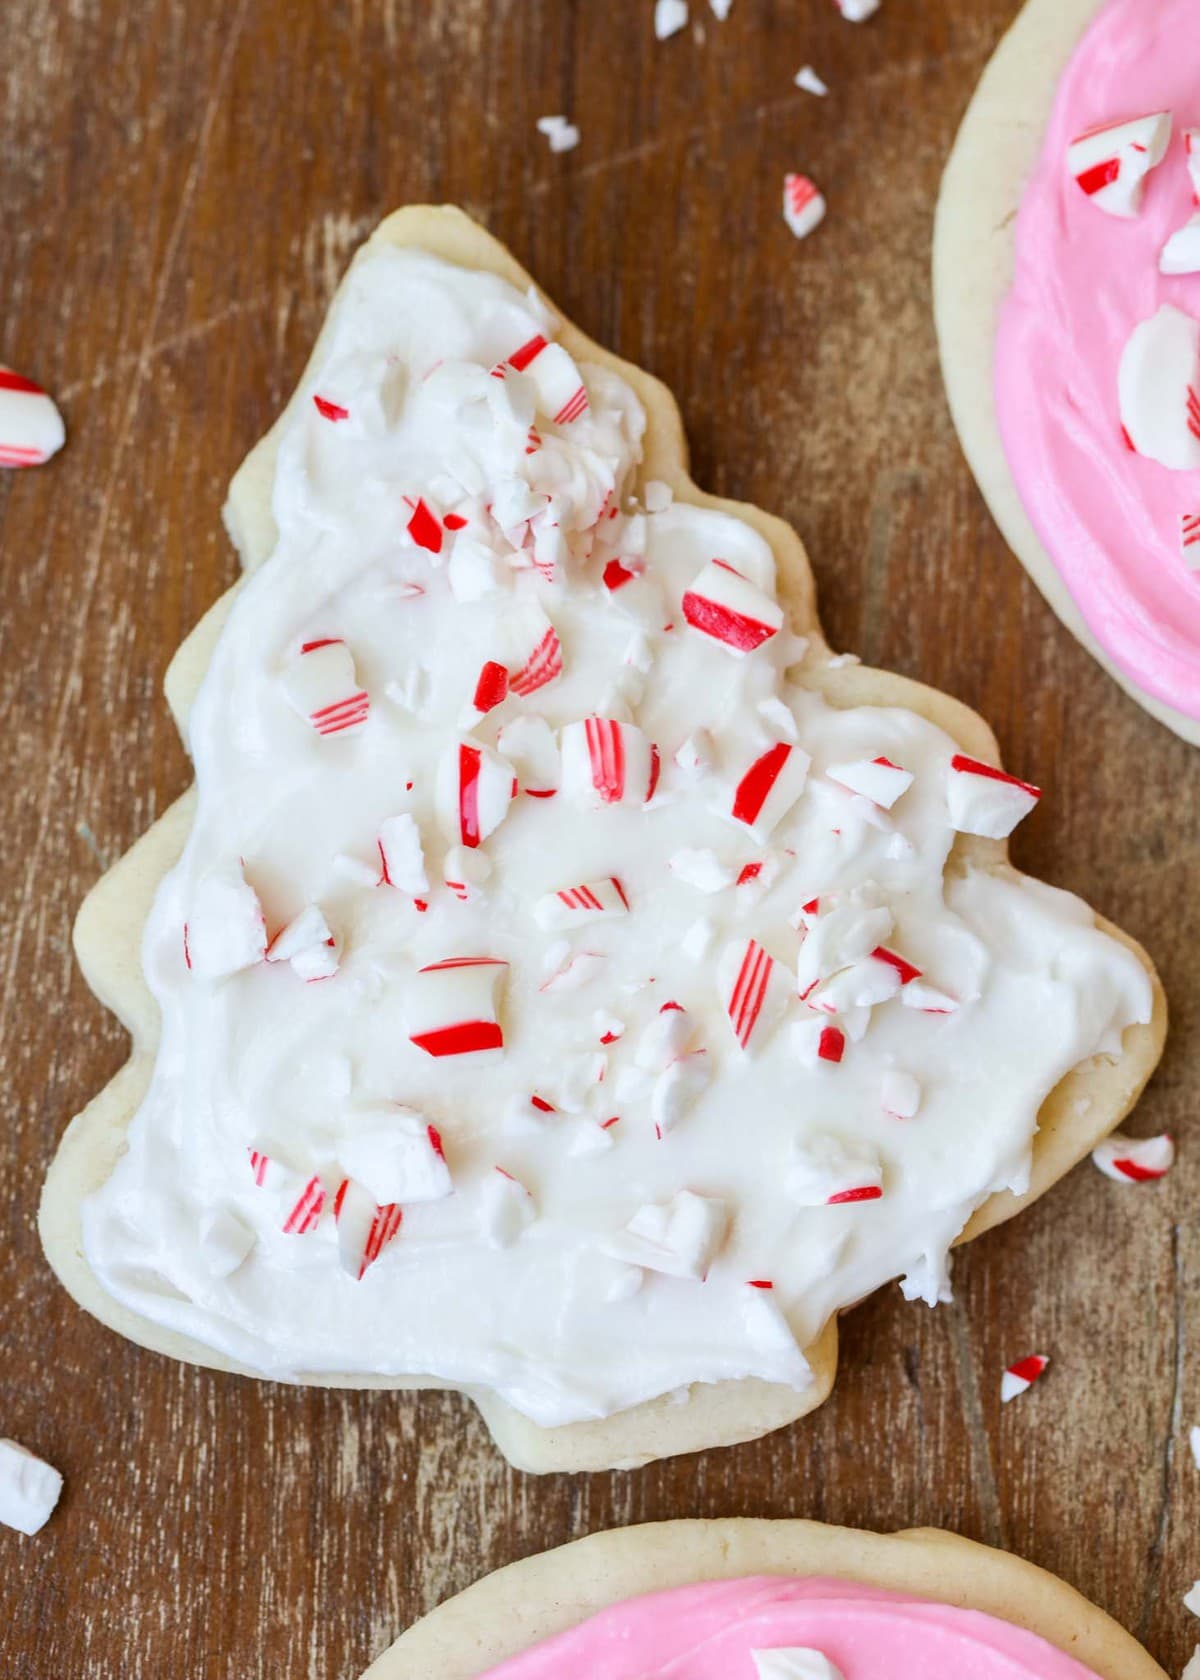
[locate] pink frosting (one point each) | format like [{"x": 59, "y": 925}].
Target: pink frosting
[
  {"x": 708, "y": 1632},
  {"x": 1108, "y": 518}
]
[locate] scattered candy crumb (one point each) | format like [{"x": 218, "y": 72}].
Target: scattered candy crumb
[
  {"x": 670, "y": 16},
  {"x": 808, "y": 81},
  {"x": 562, "y": 135},
  {"x": 803, "y": 205},
  {"x": 857, "y": 11},
  {"x": 29, "y": 1488},
  {"x": 1191, "y": 1599},
  {"x": 721, "y": 9},
  {"x": 1129, "y": 1160},
  {"x": 31, "y": 428},
  {"x": 1021, "y": 1376}
]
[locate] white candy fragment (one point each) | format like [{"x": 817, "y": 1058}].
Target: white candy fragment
[
  {"x": 474, "y": 570},
  {"x": 667, "y": 1037},
  {"x": 574, "y": 906},
  {"x": 1135, "y": 1160},
  {"x": 804, "y": 205},
  {"x": 31, "y": 428},
  {"x": 225, "y": 1240},
  {"x": 984, "y": 800},
  {"x": 857, "y": 11},
  {"x": 901, "y": 1094},
  {"x": 1192, "y": 1668},
  {"x": 570, "y": 973},
  {"x": 225, "y": 930},
  {"x": 841, "y": 932},
  {"x": 1158, "y": 383},
  {"x": 876, "y": 779},
  {"x": 363, "y": 1228},
  {"x": 755, "y": 992},
  {"x": 29, "y": 1488},
  {"x": 401, "y": 857},
  {"x": 307, "y": 944},
  {"x": 453, "y": 1006},
  {"x": 670, "y": 16},
  {"x": 697, "y": 756},
  {"x": 322, "y": 685},
  {"x": 396, "y": 1154},
  {"x": 701, "y": 868},
  {"x": 679, "y": 1237},
  {"x": 725, "y": 605},
  {"x": 475, "y": 789},
  {"x": 677, "y": 1090},
  {"x": 928, "y": 999},
  {"x": 351, "y": 868},
  {"x": 795, "y": 1662},
  {"x": 928, "y": 1280},
  {"x": 607, "y": 762},
  {"x": 828, "y": 1171},
  {"x": 506, "y": 1208},
  {"x": 721, "y": 9},
  {"x": 529, "y": 746},
  {"x": 465, "y": 870},
  {"x": 698, "y": 939},
  {"x": 562, "y": 135},
  {"x": 1181, "y": 253},
  {"x": 807, "y": 80},
  {"x": 1110, "y": 164},
  {"x": 1194, "y": 1444},
  {"x": 770, "y": 787},
  {"x": 1191, "y": 1599}
]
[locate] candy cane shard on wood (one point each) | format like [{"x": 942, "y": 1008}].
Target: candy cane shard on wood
[
  {"x": 1110, "y": 164},
  {"x": 1135, "y": 1160},
  {"x": 984, "y": 800},
  {"x": 804, "y": 206},
  {"x": 29, "y": 1488},
  {"x": 532, "y": 1035},
  {"x": 31, "y": 428},
  {"x": 1021, "y": 1376}
]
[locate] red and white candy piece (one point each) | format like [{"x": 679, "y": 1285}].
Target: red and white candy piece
[
  {"x": 697, "y": 755},
  {"x": 985, "y": 800},
  {"x": 813, "y": 1042},
  {"x": 424, "y": 528},
  {"x": 569, "y": 972},
  {"x": 755, "y": 992},
  {"x": 454, "y": 1006},
  {"x": 900, "y": 1095},
  {"x": 607, "y": 762},
  {"x": 475, "y": 789},
  {"x": 1158, "y": 383},
  {"x": 562, "y": 135},
  {"x": 506, "y": 1208},
  {"x": 667, "y": 1037},
  {"x": 797, "y": 1662},
  {"x": 804, "y": 205},
  {"x": 1135, "y": 1160},
  {"x": 561, "y": 392},
  {"x": 680, "y": 1237},
  {"x": 873, "y": 979},
  {"x": 1189, "y": 539},
  {"x": 225, "y": 930},
  {"x": 841, "y": 931},
  {"x": 31, "y": 428},
  {"x": 571, "y": 907},
  {"x": 677, "y": 1090},
  {"x": 364, "y": 1229},
  {"x": 322, "y": 685},
  {"x": 489, "y": 690},
  {"x": 537, "y": 652},
  {"x": 876, "y": 779},
  {"x": 769, "y": 788},
  {"x": 1017, "y": 1378},
  {"x": 466, "y": 871},
  {"x": 29, "y": 1488},
  {"x": 700, "y": 867},
  {"x": 529, "y": 746},
  {"x": 827, "y": 1172},
  {"x": 307, "y": 944},
  {"x": 401, "y": 858},
  {"x": 303, "y": 1214},
  {"x": 1110, "y": 163},
  {"x": 725, "y": 605},
  {"x": 1181, "y": 253},
  {"x": 396, "y": 1154}
]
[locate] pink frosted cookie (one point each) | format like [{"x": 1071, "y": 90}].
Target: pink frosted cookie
[
  {"x": 1067, "y": 284},
  {"x": 566, "y": 980},
  {"x": 754, "y": 1600}
]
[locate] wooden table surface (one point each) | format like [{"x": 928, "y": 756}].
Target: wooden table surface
[{"x": 180, "y": 187}]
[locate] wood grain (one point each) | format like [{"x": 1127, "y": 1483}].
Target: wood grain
[{"x": 181, "y": 187}]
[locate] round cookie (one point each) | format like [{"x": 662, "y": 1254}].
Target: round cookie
[
  {"x": 1109, "y": 561},
  {"x": 484, "y": 1631}
]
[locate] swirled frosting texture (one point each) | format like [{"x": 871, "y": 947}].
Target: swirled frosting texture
[
  {"x": 601, "y": 1203},
  {"x": 711, "y": 1632},
  {"x": 1108, "y": 518}
]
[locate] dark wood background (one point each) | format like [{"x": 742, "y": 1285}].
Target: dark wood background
[{"x": 180, "y": 187}]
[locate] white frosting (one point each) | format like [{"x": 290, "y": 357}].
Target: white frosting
[{"x": 581, "y": 1229}]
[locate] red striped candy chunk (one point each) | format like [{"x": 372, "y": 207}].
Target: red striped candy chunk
[
  {"x": 401, "y": 858},
  {"x": 667, "y": 1036},
  {"x": 304, "y": 1213},
  {"x": 1135, "y": 1160},
  {"x": 679, "y": 1238},
  {"x": 574, "y": 906},
  {"x": 1189, "y": 539},
  {"x": 876, "y": 779},
  {"x": 725, "y": 605},
  {"x": 307, "y": 945},
  {"x": 769, "y": 788},
  {"x": 466, "y": 870},
  {"x": 1110, "y": 164},
  {"x": 475, "y": 789},
  {"x": 424, "y": 528},
  {"x": 453, "y": 1006},
  {"x": 31, "y": 428},
  {"x": 329, "y": 410},
  {"x": 540, "y": 660},
  {"x": 1158, "y": 384},
  {"x": 814, "y": 1042},
  {"x": 984, "y": 800},
  {"x": 529, "y": 746},
  {"x": 900, "y": 1095},
  {"x": 607, "y": 762},
  {"x": 364, "y": 1229},
  {"x": 225, "y": 931},
  {"x": 841, "y": 931},
  {"x": 1017, "y": 1378},
  {"x": 804, "y": 205},
  {"x": 490, "y": 691},
  {"x": 396, "y": 1154},
  {"x": 506, "y": 1207},
  {"x": 754, "y": 992},
  {"x": 828, "y": 1171},
  {"x": 322, "y": 685}
]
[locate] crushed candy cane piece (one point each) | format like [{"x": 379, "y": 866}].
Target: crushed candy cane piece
[
  {"x": 572, "y": 972},
  {"x": 573, "y": 906},
  {"x": 225, "y": 1240},
  {"x": 364, "y": 1229},
  {"x": 1191, "y": 1598},
  {"x": 607, "y": 762},
  {"x": 562, "y": 135},
  {"x": 770, "y": 787},
  {"x": 827, "y": 1172},
  {"x": 506, "y": 1208},
  {"x": 1135, "y": 1160},
  {"x": 722, "y": 603},
  {"x": 697, "y": 755},
  {"x": 679, "y": 1238},
  {"x": 901, "y": 1094},
  {"x": 321, "y": 684},
  {"x": 529, "y": 746},
  {"x": 700, "y": 867},
  {"x": 1017, "y": 1378},
  {"x": 475, "y": 789},
  {"x": 31, "y": 428},
  {"x": 657, "y": 496},
  {"x": 225, "y": 930},
  {"x": 401, "y": 857},
  {"x": 1110, "y": 164},
  {"x": 698, "y": 939},
  {"x": 1158, "y": 383},
  {"x": 721, "y": 9},
  {"x": 453, "y": 1007},
  {"x": 1194, "y": 1444},
  {"x": 677, "y": 1090},
  {"x": 465, "y": 869},
  {"x": 29, "y": 1488},
  {"x": 1189, "y": 539},
  {"x": 928, "y": 999},
  {"x": 670, "y": 16},
  {"x": 424, "y": 527},
  {"x": 794, "y": 1662},
  {"x": 857, "y": 11},
  {"x": 666, "y": 1038},
  {"x": 1181, "y": 253},
  {"x": 804, "y": 205},
  {"x": 807, "y": 80},
  {"x": 396, "y": 1154},
  {"x": 985, "y": 800},
  {"x": 754, "y": 991},
  {"x": 876, "y": 779},
  {"x": 541, "y": 660},
  {"x": 303, "y": 934},
  {"x": 304, "y": 1214}
]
